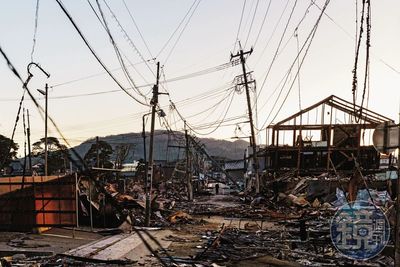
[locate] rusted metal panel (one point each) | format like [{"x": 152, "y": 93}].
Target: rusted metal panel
[{"x": 37, "y": 202}]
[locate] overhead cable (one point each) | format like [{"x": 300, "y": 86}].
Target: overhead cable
[
  {"x": 353, "y": 38},
  {"x": 94, "y": 53},
  {"x": 137, "y": 28},
  {"x": 118, "y": 54},
  {"x": 251, "y": 23},
  {"x": 309, "y": 40},
  {"x": 129, "y": 39},
  {"x": 183, "y": 29},
  {"x": 277, "y": 48},
  {"x": 273, "y": 32},
  {"x": 177, "y": 28},
  {"x": 262, "y": 23},
  {"x": 35, "y": 29},
  {"x": 240, "y": 25}
]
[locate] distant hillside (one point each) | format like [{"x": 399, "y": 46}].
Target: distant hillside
[{"x": 215, "y": 147}]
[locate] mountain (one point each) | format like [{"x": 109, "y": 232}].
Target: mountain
[{"x": 176, "y": 149}]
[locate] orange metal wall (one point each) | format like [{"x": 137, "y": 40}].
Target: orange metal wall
[{"x": 42, "y": 202}]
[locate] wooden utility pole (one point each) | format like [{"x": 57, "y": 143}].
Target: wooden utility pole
[
  {"x": 246, "y": 82},
  {"x": 149, "y": 176},
  {"x": 97, "y": 153},
  {"x": 46, "y": 166},
  {"x": 188, "y": 168}
]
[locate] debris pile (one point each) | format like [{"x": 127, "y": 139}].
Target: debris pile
[{"x": 298, "y": 243}]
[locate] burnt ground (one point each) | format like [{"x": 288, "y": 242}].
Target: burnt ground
[{"x": 212, "y": 231}]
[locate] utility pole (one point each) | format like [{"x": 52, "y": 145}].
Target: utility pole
[
  {"x": 144, "y": 149},
  {"x": 246, "y": 83},
  {"x": 397, "y": 236},
  {"x": 46, "y": 163},
  {"x": 97, "y": 153},
  {"x": 45, "y": 94},
  {"x": 188, "y": 167},
  {"x": 149, "y": 176},
  {"x": 28, "y": 132}
]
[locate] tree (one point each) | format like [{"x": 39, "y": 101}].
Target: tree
[
  {"x": 121, "y": 154},
  {"x": 8, "y": 150},
  {"x": 57, "y": 154},
  {"x": 105, "y": 151}
]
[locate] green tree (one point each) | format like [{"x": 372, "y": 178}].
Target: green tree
[
  {"x": 8, "y": 150},
  {"x": 57, "y": 154},
  {"x": 105, "y": 151}
]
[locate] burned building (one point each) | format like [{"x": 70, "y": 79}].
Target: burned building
[{"x": 328, "y": 136}]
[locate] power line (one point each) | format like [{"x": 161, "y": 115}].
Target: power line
[
  {"x": 210, "y": 94},
  {"x": 14, "y": 129},
  {"x": 297, "y": 27},
  {"x": 277, "y": 49},
  {"x": 212, "y": 108},
  {"x": 127, "y": 119},
  {"x": 309, "y": 40},
  {"x": 117, "y": 51},
  {"x": 177, "y": 78},
  {"x": 240, "y": 24},
  {"x": 89, "y": 76},
  {"x": 10, "y": 65},
  {"x": 251, "y": 23},
  {"x": 355, "y": 81},
  {"x": 94, "y": 53},
  {"x": 131, "y": 43},
  {"x": 177, "y": 28},
  {"x": 273, "y": 32},
  {"x": 35, "y": 29},
  {"x": 298, "y": 68},
  {"x": 183, "y": 29},
  {"x": 202, "y": 72},
  {"x": 262, "y": 23},
  {"x": 367, "y": 61},
  {"x": 218, "y": 124},
  {"x": 352, "y": 37},
  {"x": 137, "y": 28}
]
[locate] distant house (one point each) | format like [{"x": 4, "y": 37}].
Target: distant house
[{"x": 236, "y": 169}]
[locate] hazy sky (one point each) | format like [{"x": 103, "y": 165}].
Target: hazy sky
[{"x": 206, "y": 42}]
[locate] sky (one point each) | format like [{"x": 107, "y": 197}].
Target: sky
[{"x": 193, "y": 41}]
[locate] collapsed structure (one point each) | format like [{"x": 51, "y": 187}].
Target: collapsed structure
[{"x": 328, "y": 136}]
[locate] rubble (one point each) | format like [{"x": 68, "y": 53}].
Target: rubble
[
  {"x": 280, "y": 247},
  {"x": 179, "y": 217},
  {"x": 287, "y": 224}
]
